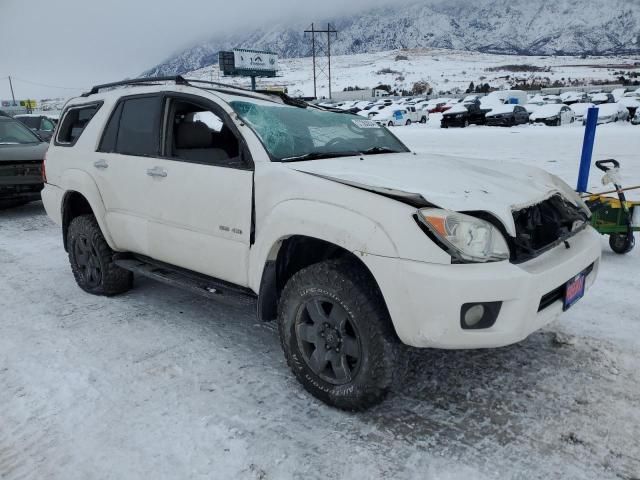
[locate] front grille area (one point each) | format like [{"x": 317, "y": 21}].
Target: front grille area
[
  {"x": 20, "y": 170},
  {"x": 544, "y": 225}
]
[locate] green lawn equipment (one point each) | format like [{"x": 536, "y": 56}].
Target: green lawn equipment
[{"x": 612, "y": 216}]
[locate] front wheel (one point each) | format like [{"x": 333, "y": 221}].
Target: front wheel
[
  {"x": 408, "y": 122},
  {"x": 390, "y": 124},
  {"x": 423, "y": 120},
  {"x": 337, "y": 335},
  {"x": 91, "y": 259},
  {"x": 622, "y": 243}
]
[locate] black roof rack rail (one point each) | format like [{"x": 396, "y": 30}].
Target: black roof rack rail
[
  {"x": 180, "y": 80},
  {"x": 137, "y": 81}
]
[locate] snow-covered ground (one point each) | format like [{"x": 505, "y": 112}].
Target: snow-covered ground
[
  {"x": 444, "y": 70},
  {"x": 162, "y": 384}
]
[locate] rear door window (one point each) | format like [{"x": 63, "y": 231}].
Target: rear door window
[{"x": 138, "y": 127}]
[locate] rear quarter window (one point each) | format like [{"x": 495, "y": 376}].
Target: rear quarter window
[{"x": 73, "y": 123}]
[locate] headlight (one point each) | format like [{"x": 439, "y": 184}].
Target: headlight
[
  {"x": 553, "y": 118},
  {"x": 465, "y": 237},
  {"x": 460, "y": 115}
]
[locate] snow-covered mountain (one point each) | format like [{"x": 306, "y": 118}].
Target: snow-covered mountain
[{"x": 525, "y": 27}]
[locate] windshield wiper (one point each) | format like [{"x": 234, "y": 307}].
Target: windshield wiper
[
  {"x": 377, "y": 150},
  {"x": 319, "y": 155}
]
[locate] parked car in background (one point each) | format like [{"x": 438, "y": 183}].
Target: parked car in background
[
  {"x": 507, "y": 116},
  {"x": 21, "y": 156},
  {"x": 570, "y": 98},
  {"x": 553, "y": 115},
  {"x": 462, "y": 115},
  {"x": 600, "y": 98},
  {"x": 580, "y": 110},
  {"x": 393, "y": 116},
  {"x": 439, "y": 105},
  {"x": 43, "y": 125},
  {"x": 631, "y": 103},
  {"x": 517, "y": 97},
  {"x": 418, "y": 114},
  {"x": 612, "y": 112}
]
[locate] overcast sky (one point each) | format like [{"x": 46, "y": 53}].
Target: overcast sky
[{"x": 77, "y": 43}]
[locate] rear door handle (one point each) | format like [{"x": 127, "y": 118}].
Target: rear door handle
[
  {"x": 156, "y": 172},
  {"x": 101, "y": 164}
]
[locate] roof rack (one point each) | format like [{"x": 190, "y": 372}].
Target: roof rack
[{"x": 178, "y": 79}]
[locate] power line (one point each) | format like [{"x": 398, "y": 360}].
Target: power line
[{"x": 47, "y": 86}]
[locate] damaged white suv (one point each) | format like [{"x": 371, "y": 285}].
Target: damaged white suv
[{"x": 351, "y": 241}]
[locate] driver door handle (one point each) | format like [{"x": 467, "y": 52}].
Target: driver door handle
[
  {"x": 101, "y": 164},
  {"x": 156, "y": 172}
]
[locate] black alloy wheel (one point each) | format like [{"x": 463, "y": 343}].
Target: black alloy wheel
[
  {"x": 87, "y": 260},
  {"x": 328, "y": 340}
]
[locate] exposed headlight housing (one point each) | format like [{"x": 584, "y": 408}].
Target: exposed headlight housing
[{"x": 466, "y": 238}]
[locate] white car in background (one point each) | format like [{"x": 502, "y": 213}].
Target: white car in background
[
  {"x": 394, "y": 116},
  {"x": 612, "y": 112},
  {"x": 601, "y": 97},
  {"x": 569, "y": 98},
  {"x": 580, "y": 110},
  {"x": 553, "y": 115}
]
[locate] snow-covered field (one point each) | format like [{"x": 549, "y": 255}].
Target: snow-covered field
[
  {"x": 444, "y": 70},
  {"x": 160, "y": 384}
]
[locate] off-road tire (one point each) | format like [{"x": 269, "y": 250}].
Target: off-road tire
[
  {"x": 390, "y": 124},
  {"x": 348, "y": 285},
  {"x": 423, "y": 120},
  {"x": 622, "y": 243},
  {"x": 84, "y": 233},
  {"x": 408, "y": 123}
]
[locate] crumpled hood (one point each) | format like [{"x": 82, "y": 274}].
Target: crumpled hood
[{"x": 445, "y": 181}]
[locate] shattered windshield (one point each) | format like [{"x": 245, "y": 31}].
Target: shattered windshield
[{"x": 293, "y": 133}]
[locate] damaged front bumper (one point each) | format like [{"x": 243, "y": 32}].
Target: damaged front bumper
[{"x": 425, "y": 300}]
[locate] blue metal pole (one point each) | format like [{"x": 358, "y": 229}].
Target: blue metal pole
[{"x": 587, "y": 149}]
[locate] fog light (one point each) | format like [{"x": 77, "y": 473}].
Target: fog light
[
  {"x": 474, "y": 315},
  {"x": 477, "y": 316}
]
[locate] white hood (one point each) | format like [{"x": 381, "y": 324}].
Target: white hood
[{"x": 446, "y": 182}]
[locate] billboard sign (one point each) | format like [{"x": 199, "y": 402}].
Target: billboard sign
[
  {"x": 255, "y": 60},
  {"x": 248, "y": 63}
]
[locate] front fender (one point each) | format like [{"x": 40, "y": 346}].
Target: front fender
[
  {"x": 74, "y": 180},
  {"x": 322, "y": 220}
]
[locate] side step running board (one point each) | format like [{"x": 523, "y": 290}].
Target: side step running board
[{"x": 191, "y": 281}]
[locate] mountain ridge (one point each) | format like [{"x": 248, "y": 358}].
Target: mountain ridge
[{"x": 518, "y": 27}]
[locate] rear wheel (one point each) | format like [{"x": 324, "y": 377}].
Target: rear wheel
[
  {"x": 92, "y": 260},
  {"x": 390, "y": 124},
  {"x": 622, "y": 243},
  {"x": 465, "y": 124},
  {"x": 423, "y": 120},
  {"x": 336, "y": 334}
]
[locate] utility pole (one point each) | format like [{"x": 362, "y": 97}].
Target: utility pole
[
  {"x": 318, "y": 53},
  {"x": 13, "y": 97}
]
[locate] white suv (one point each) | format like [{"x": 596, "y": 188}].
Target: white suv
[{"x": 351, "y": 241}]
